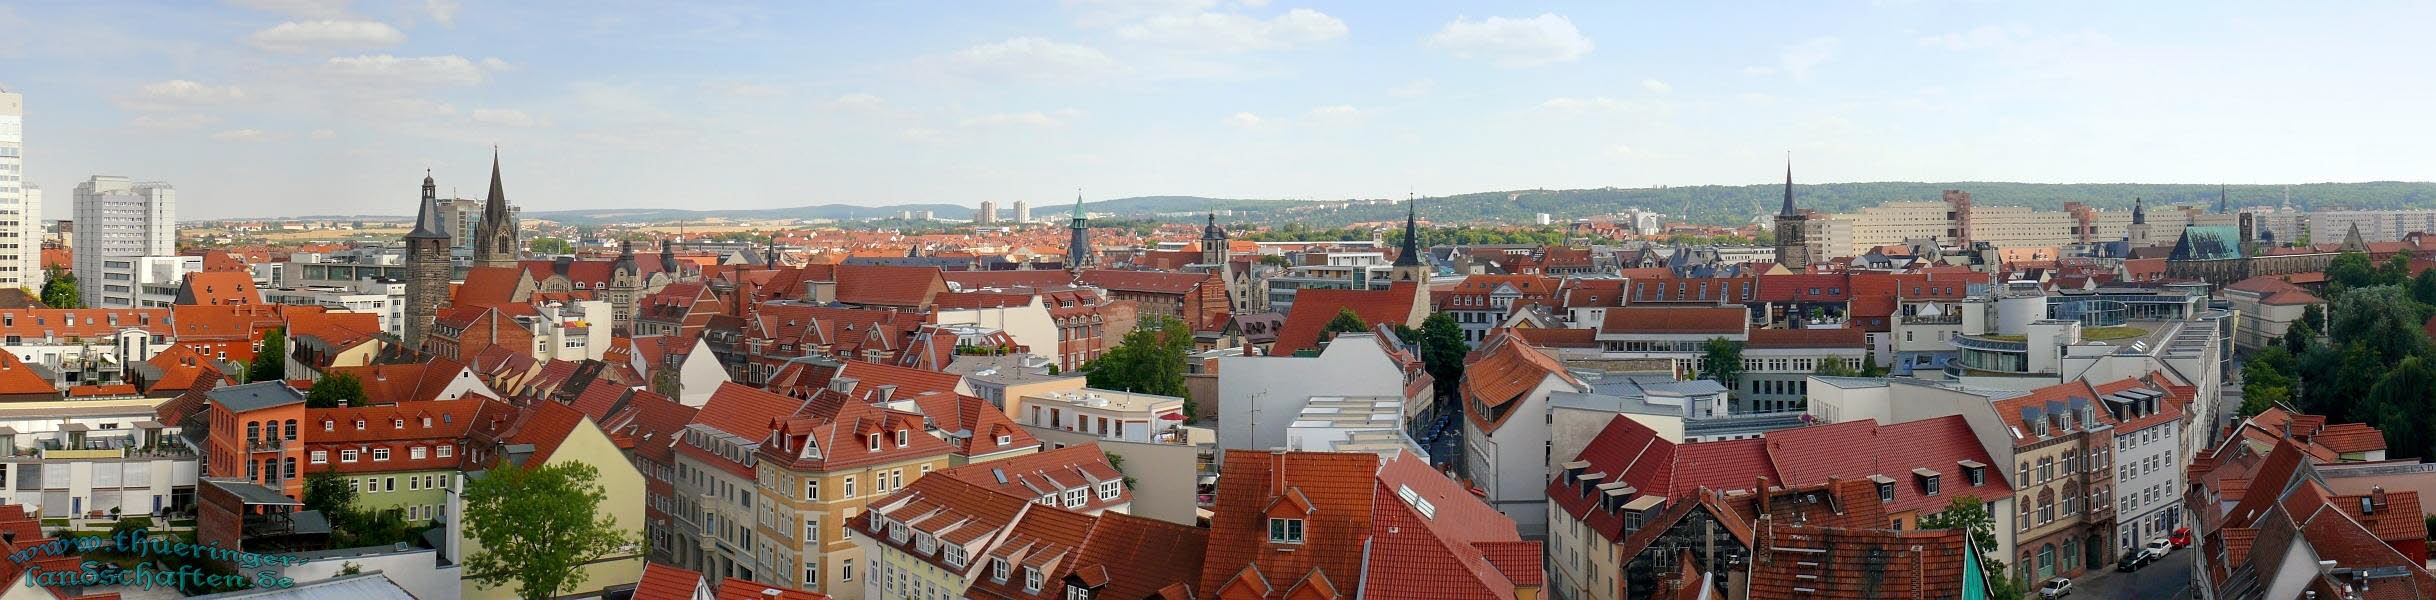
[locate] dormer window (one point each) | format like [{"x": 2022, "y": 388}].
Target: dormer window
[
  {"x": 397, "y": 423},
  {"x": 1074, "y": 497},
  {"x": 903, "y": 439},
  {"x": 1031, "y": 579},
  {"x": 1285, "y": 531},
  {"x": 875, "y": 442},
  {"x": 1109, "y": 489},
  {"x": 925, "y": 544},
  {"x": 359, "y": 424},
  {"x": 329, "y": 425},
  {"x": 1005, "y": 439},
  {"x": 998, "y": 569},
  {"x": 1076, "y": 592},
  {"x": 955, "y": 555}
]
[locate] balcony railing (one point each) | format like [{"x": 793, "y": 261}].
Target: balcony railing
[
  {"x": 1988, "y": 343},
  {"x": 266, "y": 445},
  {"x": 1932, "y": 319}
]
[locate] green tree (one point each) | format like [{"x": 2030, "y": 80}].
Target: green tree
[
  {"x": 2350, "y": 270},
  {"x": 2423, "y": 287},
  {"x": 270, "y": 363},
  {"x": 1724, "y": 360},
  {"x": 336, "y": 390},
  {"x": 1834, "y": 366},
  {"x": 2382, "y": 317},
  {"x": 1870, "y": 366},
  {"x": 1344, "y": 322},
  {"x": 2403, "y": 405},
  {"x": 1149, "y": 360},
  {"x": 59, "y": 289},
  {"x": 2313, "y": 317},
  {"x": 1967, "y": 513},
  {"x": 1274, "y": 260},
  {"x": 2258, "y": 399},
  {"x": 551, "y": 245},
  {"x": 537, "y": 527},
  {"x": 1442, "y": 352},
  {"x": 2395, "y": 271},
  {"x": 327, "y": 492}
]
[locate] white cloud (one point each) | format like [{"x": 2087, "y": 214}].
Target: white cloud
[
  {"x": 1242, "y": 119},
  {"x": 306, "y": 36},
  {"x": 244, "y": 135},
  {"x": 495, "y": 64},
  {"x": 404, "y": 109},
  {"x": 1029, "y": 59},
  {"x": 165, "y": 122},
  {"x": 180, "y": 93},
  {"x": 1984, "y": 36},
  {"x": 319, "y": 9},
  {"x": 1234, "y": 32},
  {"x": 1798, "y": 59},
  {"x": 1514, "y": 43},
  {"x": 1656, "y": 87},
  {"x": 857, "y": 102},
  {"x": 322, "y": 134},
  {"x": 1335, "y": 114},
  {"x": 443, "y": 12},
  {"x": 504, "y": 117},
  {"x": 1582, "y": 105},
  {"x": 1101, "y": 13},
  {"x": 1415, "y": 89},
  {"x": 408, "y": 72},
  {"x": 1025, "y": 119}
]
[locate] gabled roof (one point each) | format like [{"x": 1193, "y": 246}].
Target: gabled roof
[
  {"x": 1862, "y": 563},
  {"x": 1313, "y": 308},
  {"x": 218, "y": 287},
  {"x": 1501, "y": 372},
  {"x": 1442, "y": 551},
  {"x": 663, "y": 582},
  {"x": 545, "y": 425},
  {"x": 888, "y": 286},
  {"x": 1031, "y": 476},
  {"x": 1341, "y": 487}
]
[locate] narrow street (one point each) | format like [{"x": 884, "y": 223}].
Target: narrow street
[{"x": 2167, "y": 579}]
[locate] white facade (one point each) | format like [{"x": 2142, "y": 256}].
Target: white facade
[
  {"x": 154, "y": 281},
  {"x": 384, "y": 298},
  {"x": 1110, "y": 415},
  {"x": 20, "y": 202},
  {"x": 1029, "y": 324},
  {"x": 1259, "y": 397},
  {"x": 2148, "y": 483},
  {"x": 101, "y": 459},
  {"x": 1514, "y": 463},
  {"x": 575, "y": 333},
  {"x": 117, "y": 221}
]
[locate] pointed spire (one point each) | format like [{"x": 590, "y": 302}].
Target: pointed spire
[
  {"x": 428, "y": 220},
  {"x": 2221, "y": 198},
  {"x": 1788, "y": 210},
  {"x": 1410, "y": 254},
  {"x": 2139, "y": 212}
]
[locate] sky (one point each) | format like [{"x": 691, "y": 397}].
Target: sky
[{"x": 289, "y": 107}]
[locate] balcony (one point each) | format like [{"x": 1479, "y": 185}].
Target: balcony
[
  {"x": 266, "y": 445},
  {"x": 1932, "y": 319}
]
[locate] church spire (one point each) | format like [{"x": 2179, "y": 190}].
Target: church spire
[
  {"x": 1410, "y": 254},
  {"x": 1788, "y": 210},
  {"x": 2221, "y": 198},
  {"x": 2139, "y": 213},
  {"x": 495, "y": 237},
  {"x": 428, "y": 220}
]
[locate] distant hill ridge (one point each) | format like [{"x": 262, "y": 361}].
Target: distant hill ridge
[{"x": 1707, "y": 204}]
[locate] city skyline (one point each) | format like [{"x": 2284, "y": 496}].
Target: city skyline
[{"x": 263, "y": 108}]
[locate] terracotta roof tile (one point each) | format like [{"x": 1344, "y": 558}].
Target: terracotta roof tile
[
  {"x": 663, "y": 582},
  {"x": 1709, "y": 320},
  {"x": 1340, "y": 486},
  {"x": 218, "y": 287},
  {"x": 1313, "y": 308}
]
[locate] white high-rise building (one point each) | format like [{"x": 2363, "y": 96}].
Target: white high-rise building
[
  {"x": 119, "y": 221},
  {"x": 1023, "y": 212},
  {"x": 988, "y": 213},
  {"x": 20, "y": 203}
]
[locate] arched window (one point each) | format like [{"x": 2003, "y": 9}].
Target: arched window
[
  {"x": 253, "y": 431},
  {"x": 2046, "y": 561},
  {"x": 291, "y": 429},
  {"x": 2072, "y": 502},
  {"x": 2046, "y": 506},
  {"x": 2072, "y": 553}
]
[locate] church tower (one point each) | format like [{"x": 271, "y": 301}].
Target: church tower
[
  {"x": 427, "y": 266},
  {"x": 1213, "y": 243},
  {"x": 495, "y": 237},
  {"x": 1792, "y": 235},
  {"x": 2138, "y": 233},
  {"x": 1078, "y": 243},
  {"x": 625, "y": 287},
  {"x": 1409, "y": 266}
]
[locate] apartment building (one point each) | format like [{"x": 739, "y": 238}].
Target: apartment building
[
  {"x": 20, "y": 202},
  {"x": 1109, "y": 414},
  {"x": 820, "y": 471},
  {"x": 117, "y": 221},
  {"x": 71, "y": 458},
  {"x": 399, "y": 457}
]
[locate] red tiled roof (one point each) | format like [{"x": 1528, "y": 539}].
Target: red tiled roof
[
  {"x": 1032, "y": 475},
  {"x": 1313, "y": 308},
  {"x": 1502, "y": 371},
  {"x": 2348, "y": 438},
  {"x": 1438, "y": 554},
  {"x": 17, "y": 379},
  {"x": 663, "y": 582},
  {"x": 1716, "y": 320},
  {"x": 1558, "y": 337},
  {"x": 545, "y": 426},
  {"x": 1862, "y": 564},
  {"x": 1155, "y": 282},
  {"x": 1341, "y": 489},
  {"x": 1828, "y": 287},
  {"x": 2399, "y": 520},
  {"x": 744, "y": 589},
  {"x": 887, "y": 285},
  {"x": 219, "y": 287},
  {"x": 1003, "y": 279}
]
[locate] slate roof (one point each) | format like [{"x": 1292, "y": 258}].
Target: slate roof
[{"x": 255, "y": 396}]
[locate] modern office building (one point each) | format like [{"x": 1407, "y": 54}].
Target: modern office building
[
  {"x": 20, "y": 202},
  {"x": 118, "y": 221},
  {"x": 1023, "y": 212}
]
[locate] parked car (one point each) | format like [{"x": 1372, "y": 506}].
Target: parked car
[
  {"x": 2181, "y": 537},
  {"x": 2055, "y": 588},
  {"x": 2157, "y": 549},
  {"x": 2131, "y": 561}
]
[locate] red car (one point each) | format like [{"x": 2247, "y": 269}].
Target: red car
[{"x": 2181, "y": 538}]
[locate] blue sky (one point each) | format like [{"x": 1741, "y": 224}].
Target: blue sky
[{"x": 280, "y": 107}]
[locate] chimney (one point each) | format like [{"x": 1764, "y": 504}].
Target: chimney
[
  {"x": 1762, "y": 490},
  {"x": 2376, "y": 496},
  {"x": 769, "y": 592}
]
